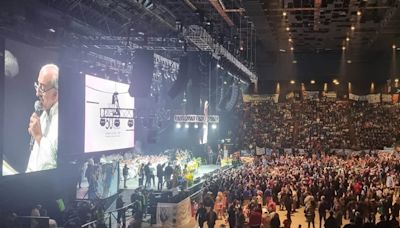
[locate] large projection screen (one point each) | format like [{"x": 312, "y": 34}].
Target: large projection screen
[{"x": 109, "y": 122}]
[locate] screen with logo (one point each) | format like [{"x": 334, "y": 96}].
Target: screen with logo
[{"x": 109, "y": 115}]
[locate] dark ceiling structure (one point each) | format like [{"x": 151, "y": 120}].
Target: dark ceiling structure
[{"x": 252, "y": 35}]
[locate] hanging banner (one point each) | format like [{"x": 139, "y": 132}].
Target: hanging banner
[
  {"x": 310, "y": 95},
  {"x": 289, "y": 96},
  {"x": 374, "y": 98},
  {"x": 353, "y": 97},
  {"x": 174, "y": 215},
  {"x": 260, "y": 150},
  {"x": 363, "y": 98},
  {"x": 395, "y": 98},
  {"x": 266, "y": 97},
  {"x": 387, "y": 98},
  {"x": 331, "y": 94}
]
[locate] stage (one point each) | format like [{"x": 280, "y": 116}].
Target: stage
[{"x": 133, "y": 183}]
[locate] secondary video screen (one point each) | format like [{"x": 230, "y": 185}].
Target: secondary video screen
[
  {"x": 109, "y": 115},
  {"x": 31, "y": 109}
]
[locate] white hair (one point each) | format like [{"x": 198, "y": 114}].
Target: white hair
[
  {"x": 11, "y": 64},
  {"x": 54, "y": 68}
]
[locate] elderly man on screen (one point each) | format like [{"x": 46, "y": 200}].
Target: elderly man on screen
[{"x": 44, "y": 128}]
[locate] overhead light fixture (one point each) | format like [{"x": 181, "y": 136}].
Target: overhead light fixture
[
  {"x": 52, "y": 30},
  {"x": 290, "y": 40},
  {"x": 312, "y": 81},
  {"x": 214, "y": 126},
  {"x": 349, "y": 61},
  {"x": 292, "y": 82},
  {"x": 178, "y": 125},
  {"x": 352, "y": 28},
  {"x": 284, "y": 14},
  {"x": 196, "y": 126},
  {"x": 335, "y": 81},
  {"x": 358, "y": 13},
  {"x": 287, "y": 28},
  {"x": 396, "y": 80},
  {"x": 282, "y": 50},
  {"x": 347, "y": 39},
  {"x": 393, "y": 46},
  {"x": 225, "y": 82},
  {"x": 204, "y": 126},
  {"x": 186, "y": 125},
  {"x": 291, "y": 48},
  {"x": 294, "y": 61},
  {"x": 343, "y": 48}
]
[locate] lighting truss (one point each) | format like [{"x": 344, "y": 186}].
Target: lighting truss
[
  {"x": 196, "y": 119},
  {"x": 153, "y": 43},
  {"x": 203, "y": 40}
]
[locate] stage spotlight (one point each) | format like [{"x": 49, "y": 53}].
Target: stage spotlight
[
  {"x": 347, "y": 39},
  {"x": 358, "y": 13},
  {"x": 343, "y": 48},
  {"x": 335, "y": 81},
  {"x": 116, "y": 122},
  {"x": 214, "y": 126},
  {"x": 292, "y": 82},
  {"x": 287, "y": 28},
  {"x": 290, "y": 40},
  {"x": 352, "y": 28},
  {"x": 312, "y": 81},
  {"x": 196, "y": 126},
  {"x": 102, "y": 122},
  {"x": 291, "y": 48},
  {"x": 284, "y": 14},
  {"x": 186, "y": 125},
  {"x": 178, "y": 125}
]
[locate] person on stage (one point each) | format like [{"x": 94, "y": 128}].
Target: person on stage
[
  {"x": 125, "y": 172},
  {"x": 43, "y": 127}
]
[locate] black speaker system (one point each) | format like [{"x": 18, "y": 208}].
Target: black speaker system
[
  {"x": 182, "y": 77},
  {"x": 142, "y": 73}
]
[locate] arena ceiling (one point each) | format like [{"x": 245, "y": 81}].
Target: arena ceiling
[{"x": 254, "y": 31}]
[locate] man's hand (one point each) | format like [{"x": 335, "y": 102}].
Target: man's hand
[{"x": 35, "y": 129}]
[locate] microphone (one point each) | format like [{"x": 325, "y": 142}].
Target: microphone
[{"x": 38, "y": 109}]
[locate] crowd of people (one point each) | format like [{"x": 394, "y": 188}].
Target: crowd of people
[
  {"x": 331, "y": 188},
  {"x": 311, "y": 124}
]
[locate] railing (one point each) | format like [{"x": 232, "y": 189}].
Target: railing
[
  {"x": 110, "y": 215},
  {"x": 26, "y": 221}
]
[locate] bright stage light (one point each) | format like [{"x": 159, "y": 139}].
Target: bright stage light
[
  {"x": 292, "y": 82},
  {"x": 312, "y": 82},
  {"x": 214, "y": 126},
  {"x": 186, "y": 125},
  {"x": 178, "y": 125},
  {"x": 196, "y": 126}
]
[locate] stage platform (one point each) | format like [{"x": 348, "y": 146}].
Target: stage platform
[{"x": 133, "y": 183}]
